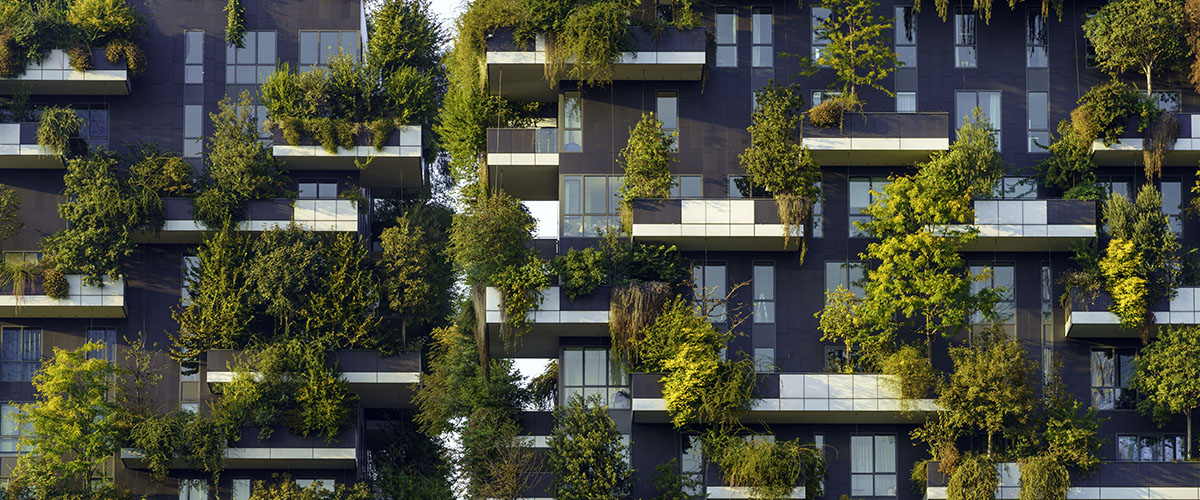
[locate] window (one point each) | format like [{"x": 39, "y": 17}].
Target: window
[
  {"x": 740, "y": 187},
  {"x": 318, "y": 48},
  {"x": 819, "y": 96},
  {"x": 588, "y": 372},
  {"x": 964, "y": 38},
  {"x": 906, "y": 36},
  {"x": 863, "y": 192},
  {"x": 764, "y": 359},
  {"x": 1166, "y": 100},
  {"x": 708, "y": 283},
  {"x": 1001, "y": 279},
  {"x": 726, "y": 37},
  {"x": 819, "y": 15},
  {"x": 193, "y": 120},
  {"x": 691, "y": 464},
  {"x": 318, "y": 189},
  {"x": 818, "y": 214},
  {"x": 21, "y": 353},
  {"x": 1016, "y": 188},
  {"x": 988, "y": 104},
  {"x": 94, "y": 130},
  {"x": 873, "y": 466},
  {"x": 838, "y": 361},
  {"x": 572, "y": 122},
  {"x": 193, "y": 58},
  {"x": 1112, "y": 370},
  {"x": 106, "y": 337},
  {"x": 239, "y": 489},
  {"x": 590, "y": 204},
  {"x": 189, "y": 267},
  {"x": 848, "y": 275},
  {"x": 764, "y": 292},
  {"x": 1151, "y": 448},
  {"x": 1172, "y": 205},
  {"x": 193, "y": 489},
  {"x": 1038, "y": 109},
  {"x": 189, "y": 389},
  {"x": 1117, "y": 185},
  {"x": 667, "y": 104},
  {"x": 323, "y": 484},
  {"x": 762, "y": 53},
  {"x": 253, "y": 63},
  {"x": 1047, "y": 296},
  {"x": 906, "y": 102},
  {"x": 10, "y": 430},
  {"x": 686, "y": 186},
  {"x": 1036, "y": 55}
]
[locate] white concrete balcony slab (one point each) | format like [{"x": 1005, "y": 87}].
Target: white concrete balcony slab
[
  {"x": 379, "y": 381},
  {"x": 1031, "y": 225},
  {"x": 524, "y": 161},
  {"x": 397, "y": 164},
  {"x": 1110, "y": 481},
  {"x": 1127, "y": 150},
  {"x": 1091, "y": 318},
  {"x": 324, "y": 215},
  {"x": 54, "y": 75},
  {"x": 557, "y": 317},
  {"x": 890, "y": 139},
  {"x": 19, "y": 148},
  {"x": 82, "y": 301},
  {"x": 712, "y": 224}
]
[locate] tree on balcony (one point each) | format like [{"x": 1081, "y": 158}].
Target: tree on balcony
[
  {"x": 587, "y": 458},
  {"x": 240, "y": 167},
  {"x": 646, "y": 159},
  {"x": 1140, "y": 265},
  {"x": 1166, "y": 374},
  {"x": 1145, "y": 35},
  {"x": 858, "y": 46}
]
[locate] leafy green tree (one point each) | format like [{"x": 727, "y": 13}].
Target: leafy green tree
[
  {"x": 10, "y": 206},
  {"x": 920, "y": 276},
  {"x": 240, "y": 167},
  {"x": 235, "y": 23},
  {"x": 1141, "y": 263},
  {"x": 73, "y": 424},
  {"x": 284, "y": 488},
  {"x": 417, "y": 275},
  {"x": 1168, "y": 376},
  {"x": 216, "y": 311},
  {"x": 669, "y": 484},
  {"x": 404, "y": 33},
  {"x": 288, "y": 269},
  {"x": 1146, "y": 35},
  {"x": 777, "y": 161},
  {"x": 990, "y": 389},
  {"x": 343, "y": 312},
  {"x": 410, "y": 464},
  {"x": 858, "y": 46},
  {"x": 587, "y": 455},
  {"x": 646, "y": 159}
]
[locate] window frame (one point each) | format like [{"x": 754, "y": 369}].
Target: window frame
[
  {"x": 1033, "y": 16},
  {"x": 755, "y": 44},
  {"x": 1119, "y": 390},
  {"x": 875, "y": 473},
  {"x": 565, "y": 122},
  {"x": 703, "y": 295},
  {"x": 616, "y": 388},
  {"x": 321, "y": 57},
  {"x": 859, "y": 213},
  {"x": 193, "y": 67},
  {"x": 672, "y": 97},
  {"x": 611, "y": 217},
  {"x": 718, "y": 13},
  {"x": 29, "y": 359},
  {"x": 961, "y": 17},
  {"x": 252, "y": 45}
]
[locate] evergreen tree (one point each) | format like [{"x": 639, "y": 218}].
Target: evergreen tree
[{"x": 587, "y": 456}]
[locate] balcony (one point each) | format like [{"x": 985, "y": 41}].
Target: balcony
[
  {"x": 55, "y": 76},
  {"x": 283, "y": 450},
  {"x": 558, "y": 316},
  {"x": 1032, "y": 225},
  {"x": 1112, "y": 481},
  {"x": 261, "y": 215},
  {"x": 82, "y": 301},
  {"x": 19, "y": 148},
  {"x": 879, "y": 139},
  {"x": 1128, "y": 149},
  {"x": 517, "y": 71},
  {"x": 397, "y": 164},
  {"x": 524, "y": 161},
  {"x": 380, "y": 381},
  {"x": 749, "y": 224},
  {"x": 1090, "y": 317},
  {"x": 824, "y": 398}
]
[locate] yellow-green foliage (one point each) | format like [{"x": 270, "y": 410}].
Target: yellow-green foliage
[
  {"x": 1043, "y": 478},
  {"x": 1128, "y": 289},
  {"x": 698, "y": 384},
  {"x": 975, "y": 478},
  {"x": 284, "y": 488},
  {"x": 771, "y": 469},
  {"x": 912, "y": 375},
  {"x": 647, "y": 161}
]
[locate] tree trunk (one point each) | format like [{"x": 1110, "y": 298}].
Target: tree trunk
[
  {"x": 479, "y": 304},
  {"x": 1188, "y": 453},
  {"x": 929, "y": 348},
  {"x": 990, "y": 444},
  {"x": 1149, "y": 69},
  {"x": 404, "y": 331}
]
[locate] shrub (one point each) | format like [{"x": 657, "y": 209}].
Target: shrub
[
  {"x": 911, "y": 372},
  {"x": 235, "y": 23},
  {"x": 593, "y": 36},
  {"x": 10, "y": 206},
  {"x": 380, "y": 130},
  {"x": 828, "y": 114},
  {"x": 11, "y": 62},
  {"x": 284, "y": 488},
  {"x": 580, "y": 271},
  {"x": 135, "y": 58},
  {"x": 56, "y": 128},
  {"x": 647, "y": 161},
  {"x": 412, "y": 94},
  {"x": 80, "y": 57},
  {"x": 162, "y": 173},
  {"x": 586, "y": 453},
  {"x": 771, "y": 469},
  {"x": 1043, "y": 478},
  {"x": 100, "y": 20},
  {"x": 975, "y": 478},
  {"x": 632, "y": 308},
  {"x": 521, "y": 292},
  {"x": 1105, "y": 109},
  {"x": 54, "y": 283},
  {"x": 1159, "y": 139}
]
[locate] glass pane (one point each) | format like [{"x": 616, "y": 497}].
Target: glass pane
[
  {"x": 246, "y": 75},
  {"x": 194, "y": 47},
  {"x": 819, "y": 14},
  {"x": 690, "y": 186},
  {"x": 349, "y": 44},
  {"x": 762, "y": 25},
  {"x": 595, "y": 195},
  {"x": 764, "y": 312},
  {"x": 1126, "y": 448},
  {"x": 835, "y": 275},
  {"x": 989, "y": 102},
  {"x": 617, "y": 376},
  {"x": 573, "y": 140},
  {"x": 329, "y": 46},
  {"x": 1103, "y": 373},
  {"x": 906, "y": 102},
  {"x": 614, "y": 190},
  {"x": 964, "y": 29},
  {"x": 572, "y": 226},
  {"x": 1172, "y": 197},
  {"x": 906, "y": 26},
  {"x": 764, "y": 282},
  {"x": 572, "y": 195},
  {"x": 266, "y": 47},
  {"x": 691, "y": 460},
  {"x": 726, "y": 56},
  {"x": 595, "y": 369},
  {"x": 572, "y": 368},
  {"x": 192, "y": 120},
  {"x": 572, "y": 114},
  {"x": 1038, "y": 111},
  {"x": 193, "y": 74},
  {"x": 714, "y": 282},
  {"x": 240, "y": 489},
  {"x": 885, "y": 454},
  {"x": 964, "y": 57},
  {"x": 668, "y": 111},
  {"x": 885, "y": 485},
  {"x": 862, "y": 485},
  {"x": 619, "y": 399},
  {"x": 11, "y": 344},
  {"x": 1036, "y": 57},
  {"x": 862, "y": 449},
  {"x": 327, "y": 190},
  {"x": 1125, "y": 368},
  {"x": 762, "y": 56},
  {"x": 1150, "y": 449},
  {"x": 964, "y": 105},
  {"x": 726, "y": 26},
  {"x": 308, "y": 190},
  {"x": 309, "y": 45},
  {"x": 860, "y": 194},
  {"x": 249, "y": 50},
  {"x": 907, "y": 56},
  {"x": 1103, "y": 399}
]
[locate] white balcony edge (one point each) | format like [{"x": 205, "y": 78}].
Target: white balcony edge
[
  {"x": 225, "y": 377},
  {"x": 523, "y": 159},
  {"x": 549, "y": 312},
  {"x": 742, "y": 492},
  {"x": 509, "y": 57}
]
